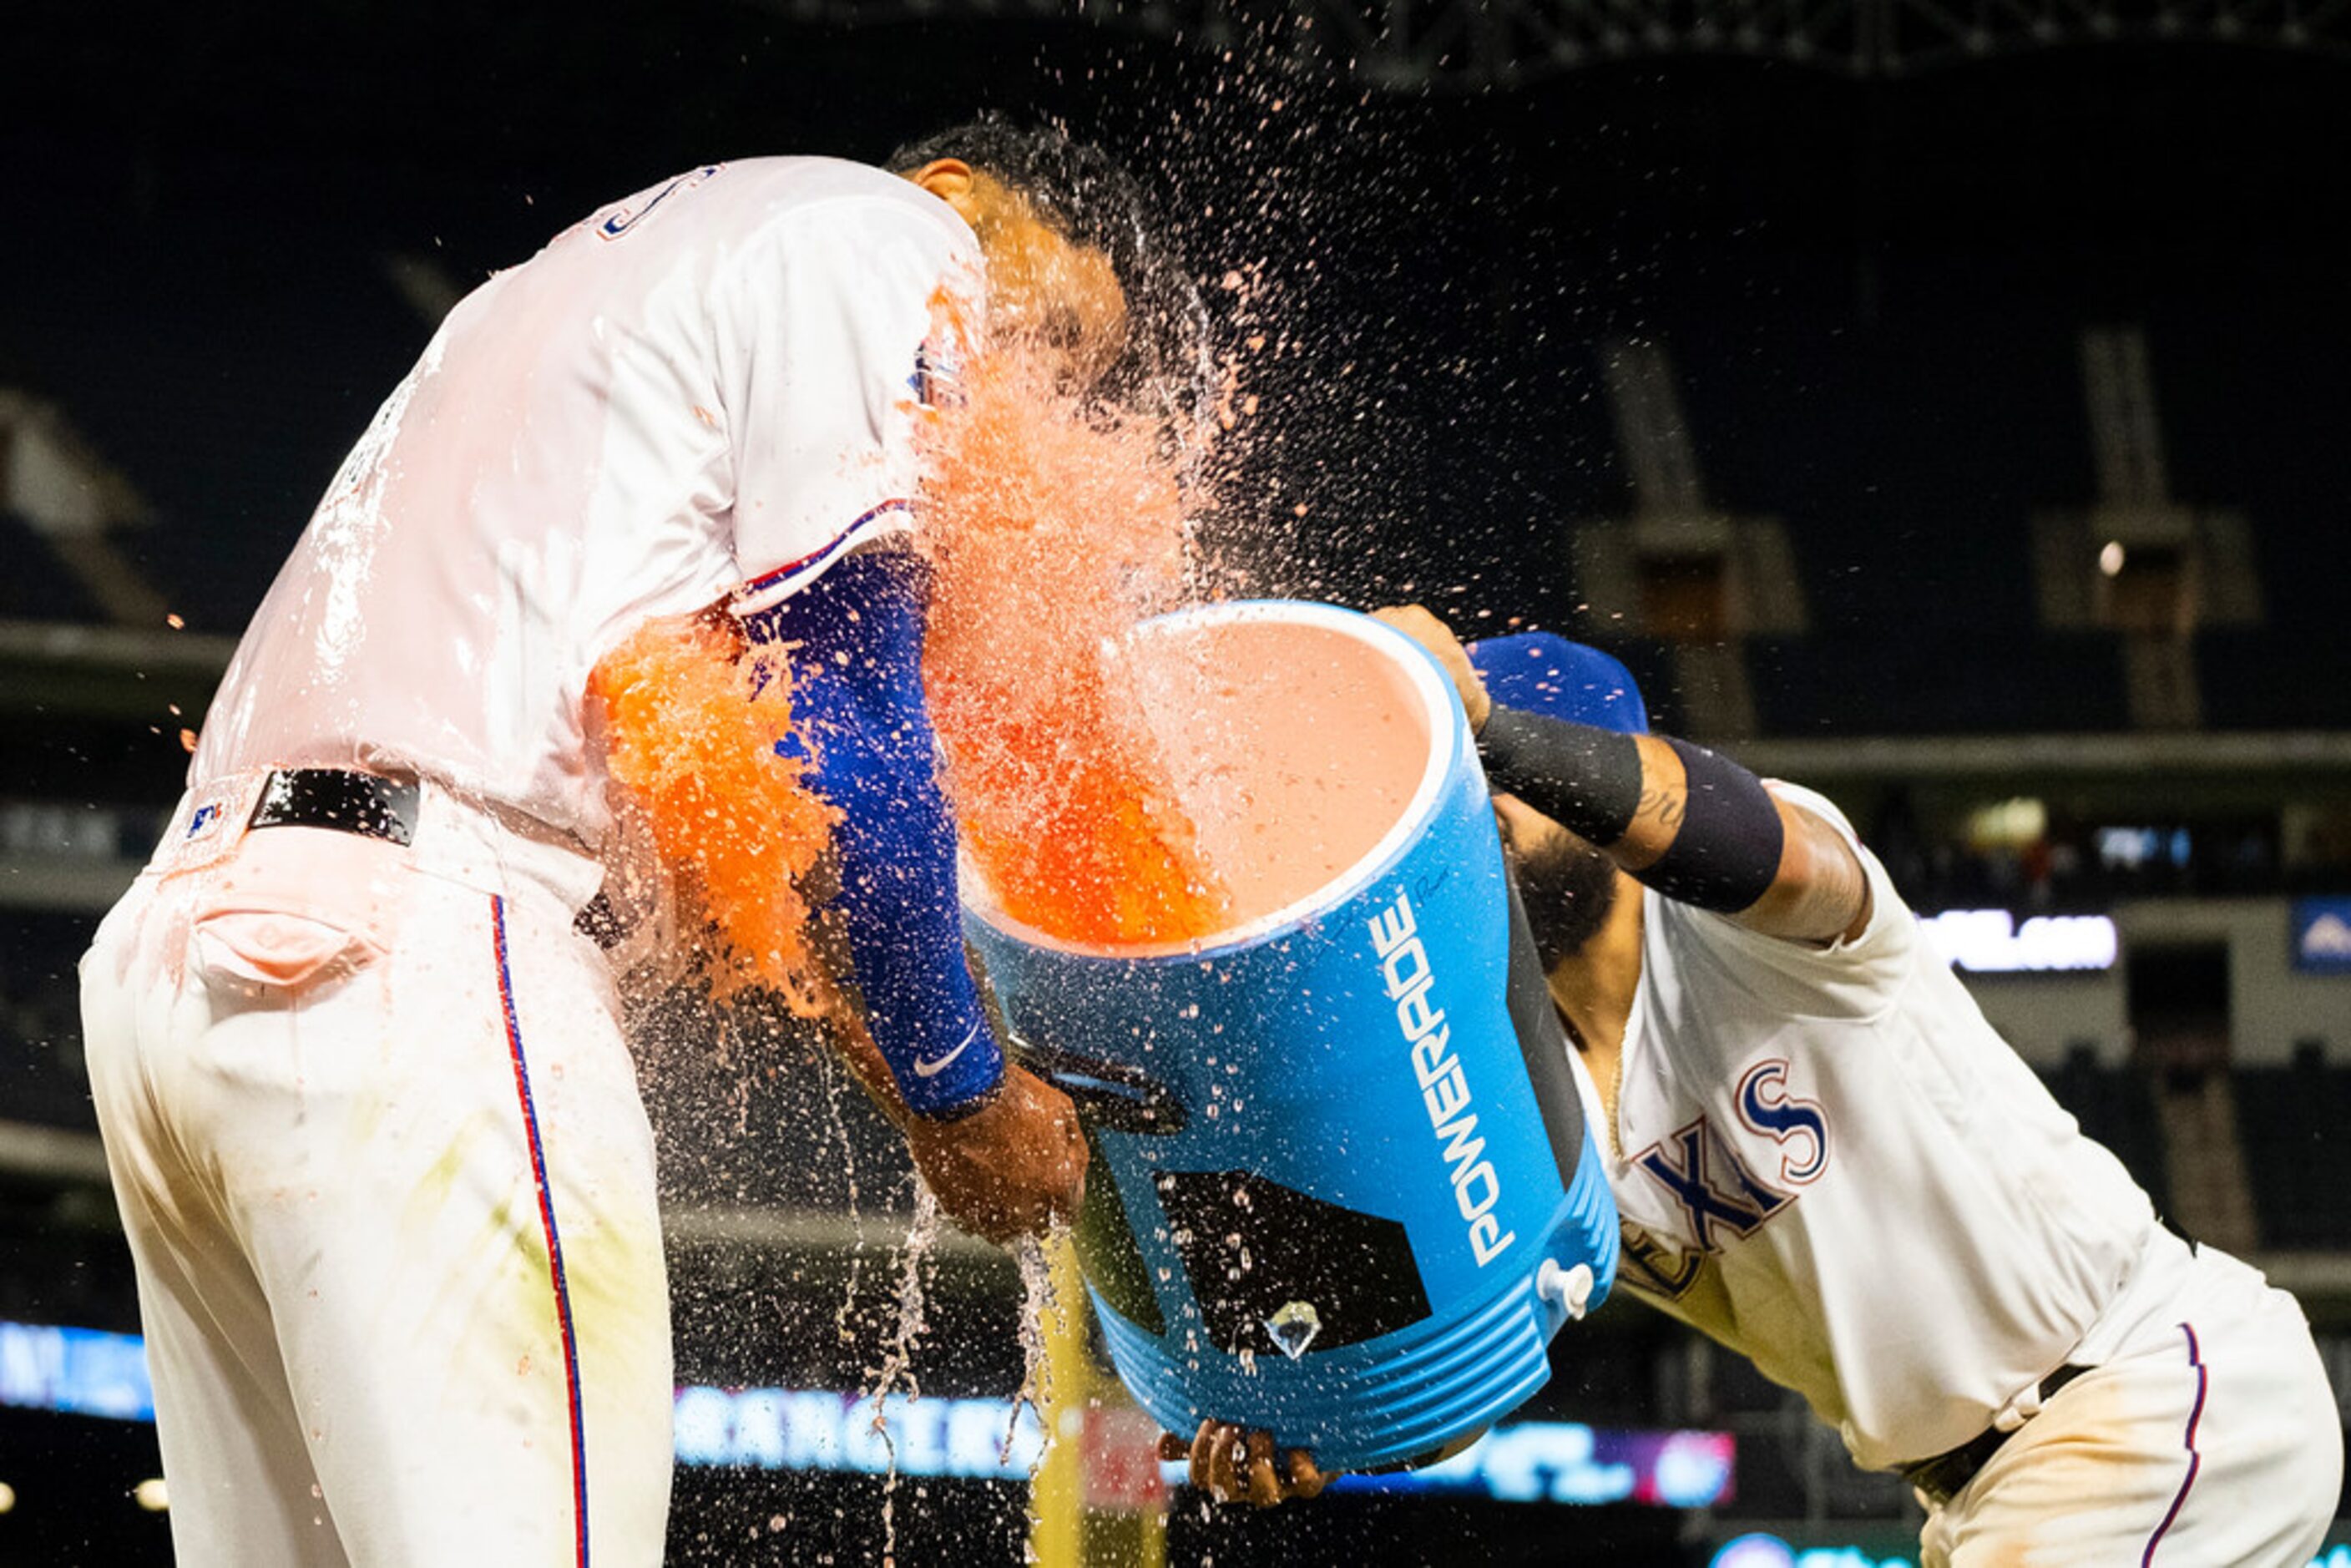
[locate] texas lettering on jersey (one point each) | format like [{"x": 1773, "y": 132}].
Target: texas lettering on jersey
[
  {"x": 1704, "y": 1170},
  {"x": 1654, "y": 1268}
]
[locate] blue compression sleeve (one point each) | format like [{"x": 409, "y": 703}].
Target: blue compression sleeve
[{"x": 858, "y": 703}]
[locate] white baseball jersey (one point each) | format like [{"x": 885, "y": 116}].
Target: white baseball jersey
[
  {"x": 372, "y": 1125},
  {"x": 707, "y": 389},
  {"x": 1826, "y": 1159}
]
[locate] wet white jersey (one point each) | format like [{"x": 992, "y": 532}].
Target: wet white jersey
[
  {"x": 1826, "y": 1158},
  {"x": 707, "y": 389}
]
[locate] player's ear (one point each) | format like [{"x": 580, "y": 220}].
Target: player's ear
[{"x": 948, "y": 179}]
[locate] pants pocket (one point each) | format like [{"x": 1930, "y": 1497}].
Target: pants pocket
[
  {"x": 273, "y": 950},
  {"x": 297, "y": 907}
]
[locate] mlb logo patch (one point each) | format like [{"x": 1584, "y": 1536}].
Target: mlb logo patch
[{"x": 209, "y": 824}]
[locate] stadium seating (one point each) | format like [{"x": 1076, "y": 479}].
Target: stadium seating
[
  {"x": 33, "y": 585},
  {"x": 41, "y": 1074},
  {"x": 2116, "y": 1107},
  {"x": 2294, "y": 1124}
]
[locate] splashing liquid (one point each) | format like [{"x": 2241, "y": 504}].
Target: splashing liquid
[
  {"x": 897, "y": 1366},
  {"x": 1053, "y": 531},
  {"x": 1054, "y": 528},
  {"x": 1038, "y": 1299},
  {"x": 835, "y": 1078},
  {"x": 691, "y": 719}
]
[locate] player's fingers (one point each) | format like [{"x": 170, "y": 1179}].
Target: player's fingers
[
  {"x": 1203, "y": 1453},
  {"x": 1264, "y": 1485},
  {"x": 1172, "y": 1447},
  {"x": 1224, "y": 1468},
  {"x": 1426, "y": 629},
  {"x": 1306, "y": 1479},
  {"x": 1404, "y": 617}
]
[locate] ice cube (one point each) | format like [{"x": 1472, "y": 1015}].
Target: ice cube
[{"x": 1294, "y": 1327}]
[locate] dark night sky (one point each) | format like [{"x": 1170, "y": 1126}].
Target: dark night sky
[{"x": 1872, "y": 289}]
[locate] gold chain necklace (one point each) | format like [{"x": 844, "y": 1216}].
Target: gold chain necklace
[{"x": 1613, "y": 1107}]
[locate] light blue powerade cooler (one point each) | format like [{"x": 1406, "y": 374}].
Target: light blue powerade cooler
[{"x": 1342, "y": 1189}]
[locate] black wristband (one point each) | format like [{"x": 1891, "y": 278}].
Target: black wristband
[
  {"x": 1583, "y": 777},
  {"x": 1728, "y": 851}
]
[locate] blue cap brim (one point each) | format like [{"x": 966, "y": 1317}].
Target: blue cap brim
[{"x": 1541, "y": 671}]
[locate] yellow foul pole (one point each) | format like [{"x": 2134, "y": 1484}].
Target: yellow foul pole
[{"x": 1056, "y": 1495}]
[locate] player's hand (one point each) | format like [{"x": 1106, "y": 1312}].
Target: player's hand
[
  {"x": 1012, "y": 1167},
  {"x": 1230, "y": 1464},
  {"x": 1438, "y": 637}
]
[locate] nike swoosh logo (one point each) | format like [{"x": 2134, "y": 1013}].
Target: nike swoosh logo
[{"x": 934, "y": 1068}]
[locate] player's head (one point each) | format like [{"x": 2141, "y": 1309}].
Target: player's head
[
  {"x": 1076, "y": 257},
  {"x": 1568, "y": 886}
]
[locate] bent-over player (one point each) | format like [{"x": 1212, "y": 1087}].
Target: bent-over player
[
  {"x": 1826, "y": 1159},
  {"x": 374, "y": 1130}
]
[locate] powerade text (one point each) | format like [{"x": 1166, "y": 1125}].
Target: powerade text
[{"x": 1444, "y": 1089}]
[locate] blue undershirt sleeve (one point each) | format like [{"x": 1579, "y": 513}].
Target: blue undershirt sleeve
[{"x": 858, "y": 709}]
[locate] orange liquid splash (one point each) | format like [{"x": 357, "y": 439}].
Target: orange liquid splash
[
  {"x": 1052, "y": 531},
  {"x": 691, "y": 722}
]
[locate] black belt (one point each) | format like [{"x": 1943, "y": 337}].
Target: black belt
[
  {"x": 336, "y": 797},
  {"x": 1939, "y": 1480}
]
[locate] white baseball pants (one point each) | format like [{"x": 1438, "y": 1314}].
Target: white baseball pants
[
  {"x": 389, "y": 1185},
  {"x": 2212, "y": 1441}
]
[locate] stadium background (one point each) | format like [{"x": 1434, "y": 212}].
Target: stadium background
[{"x": 1944, "y": 408}]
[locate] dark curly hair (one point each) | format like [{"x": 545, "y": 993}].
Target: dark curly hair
[{"x": 1168, "y": 364}]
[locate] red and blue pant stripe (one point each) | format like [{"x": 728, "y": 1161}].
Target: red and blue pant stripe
[{"x": 547, "y": 1227}]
